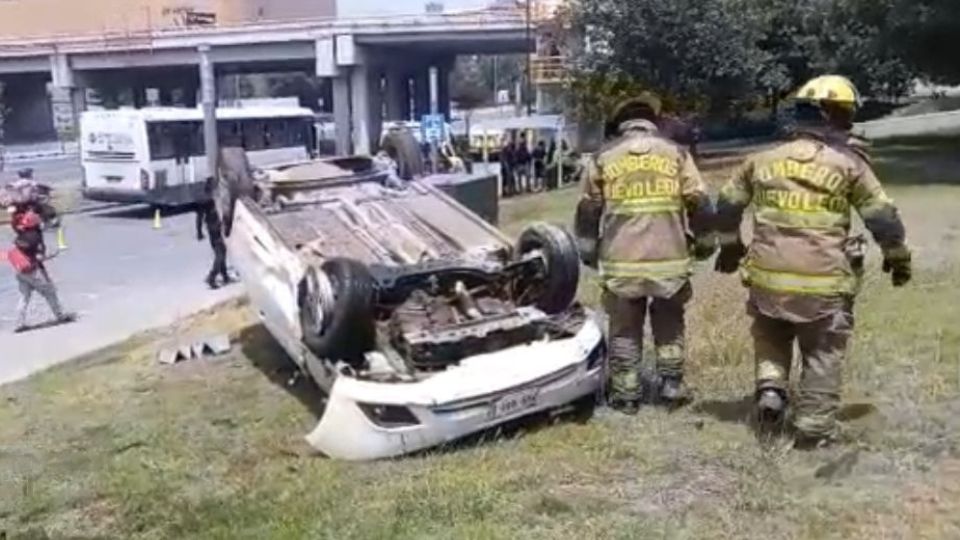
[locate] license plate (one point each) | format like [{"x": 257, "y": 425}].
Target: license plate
[{"x": 515, "y": 403}]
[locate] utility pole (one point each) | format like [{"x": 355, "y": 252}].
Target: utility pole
[
  {"x": 208, "y": 91},
  {"x": 529, "y": 59},
  {"x": 434, "y": 80}
]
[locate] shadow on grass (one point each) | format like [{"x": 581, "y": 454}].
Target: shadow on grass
[
  {"x": 737, "y": 411},
  {"x": 269, "y": 358}
]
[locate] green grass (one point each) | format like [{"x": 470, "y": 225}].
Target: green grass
[{"x": 117, "y": 446}]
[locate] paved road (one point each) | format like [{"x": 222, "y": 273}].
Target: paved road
[
  {"x": 121, "y": 276},
  {"x": 61, "y": 171}
]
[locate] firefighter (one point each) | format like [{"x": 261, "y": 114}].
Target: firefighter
[
  {"x": 803, "y": 266},
  {"x": 643, "y": 214}
]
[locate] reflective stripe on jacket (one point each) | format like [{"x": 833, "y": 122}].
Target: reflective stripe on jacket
[
  {"x": 644, "y": 186},
  {"x": 802, "y": 193}
]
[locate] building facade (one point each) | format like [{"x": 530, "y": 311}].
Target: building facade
[{"x": 37, "y": 18}]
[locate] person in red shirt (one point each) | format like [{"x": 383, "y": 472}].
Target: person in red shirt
[{"x": 26, "y": 257}]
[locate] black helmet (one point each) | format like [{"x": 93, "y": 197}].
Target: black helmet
[{"x": 642, "y": 105}]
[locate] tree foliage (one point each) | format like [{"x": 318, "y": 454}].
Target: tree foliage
[
  {"x": 733, "y": 54},
  {"x": 925, "y": 31},
  {"x": 468, "y": 89},
  {"x": 693, "y": 52}
]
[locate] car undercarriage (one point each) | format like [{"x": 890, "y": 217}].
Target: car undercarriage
[{"x": 394, "y": 296}]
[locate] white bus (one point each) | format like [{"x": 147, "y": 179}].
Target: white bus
[{"x": 156, "y": 155}]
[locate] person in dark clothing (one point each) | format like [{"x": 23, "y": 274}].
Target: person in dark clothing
[
  {"x": 207, "y": 215},
  {"x": 540, "y": 166},
  {"x": 522, "y": 166},
  {"x": 506, "y": 169}
]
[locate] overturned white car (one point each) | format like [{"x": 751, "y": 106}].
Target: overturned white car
[{"x": 421, "y": 321}]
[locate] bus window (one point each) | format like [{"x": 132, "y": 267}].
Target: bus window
[
  {"x": 170, "y": 140},
  {"x": 254, "y": 134}
]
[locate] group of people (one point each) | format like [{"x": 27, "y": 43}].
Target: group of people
[
  {"x": 645, "y": 216},
  {"x": 525, "y": 169}
]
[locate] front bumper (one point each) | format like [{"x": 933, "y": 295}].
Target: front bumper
[{"x": 482, "y": 392}]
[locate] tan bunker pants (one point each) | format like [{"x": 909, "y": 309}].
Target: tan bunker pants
[
  {"x": 823, "y": 347},
  {"x": 627, "y": 319}
]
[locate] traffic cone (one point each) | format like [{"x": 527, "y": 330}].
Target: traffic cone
[
  {"x": 61, "y": 239},
  {"x": 156, "y": 219}
]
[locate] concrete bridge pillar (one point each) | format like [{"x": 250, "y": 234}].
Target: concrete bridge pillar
[
  {"x": 67, "y": 97},
  {"x": 341, "y": 113},
  {"x": 361, "y": 96},
  {"x": 445, "y": 69}
]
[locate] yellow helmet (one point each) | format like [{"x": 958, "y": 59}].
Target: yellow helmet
[{"x": 834, "y": 89}]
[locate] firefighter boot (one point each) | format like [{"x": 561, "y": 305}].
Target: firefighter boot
[
  {"x": 671, "y": 390},
  {"x": 771, "y": 407}
]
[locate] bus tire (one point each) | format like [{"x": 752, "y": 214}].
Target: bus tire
[
  {"x": 403, "y": 148},
  {"x": 349, "y": 329}
]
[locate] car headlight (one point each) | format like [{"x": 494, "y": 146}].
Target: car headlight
[{"x": 389, "y": 416}]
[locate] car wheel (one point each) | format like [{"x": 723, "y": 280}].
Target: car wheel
[
  {"x": 557, "y": 287},
  {"x": 403, "y": 148},
  {"x": 345, "y": 328}
]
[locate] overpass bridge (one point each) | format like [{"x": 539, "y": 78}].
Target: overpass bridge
[{"x": 375, "y": 66}]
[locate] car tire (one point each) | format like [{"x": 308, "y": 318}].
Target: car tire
[
  {"x": 561, "y": 266},
  {"x": 403, "y": 148},
  {"x": 348, "y": 330}
]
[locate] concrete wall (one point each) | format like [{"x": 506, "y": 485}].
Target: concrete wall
[
  {"x": 372, "y": 8},
  {"x": 51, "y": 17},
  {"x": 248, "y": 10}
]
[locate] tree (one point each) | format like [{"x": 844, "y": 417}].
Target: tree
[
  {"x": 695, "y": 53},
  {"x": 925, "y": 32},
  {"x": 731, "y": 55},
  {"x": 856, "y": 38},
  {"x": 469, "y": 90}
]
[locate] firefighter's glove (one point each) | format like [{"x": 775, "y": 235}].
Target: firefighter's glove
[
  {"x": 704, "y": 247},
  {"x": 588, "y": 252},
  {"x": 897, "y": 263},
  {"x": 730, "y": 256}
]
